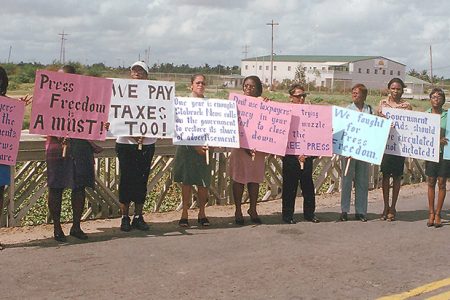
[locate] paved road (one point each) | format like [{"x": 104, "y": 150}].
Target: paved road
[{"x": 330, "y": 260}]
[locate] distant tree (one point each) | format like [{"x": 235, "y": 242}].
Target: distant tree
[
  {"x": 423, "y": 75},
  {"x": 300, "y": 76}
]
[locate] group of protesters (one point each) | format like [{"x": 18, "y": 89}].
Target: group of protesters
[{"x": 70, "y": 164}]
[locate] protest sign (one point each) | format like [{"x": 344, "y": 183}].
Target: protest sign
[
  {"x": 359, "y": 135},
  {"x": 70, "y": 105},
  {"x": 311, "y": 131},
  {"x": 263, "y": 125},
  {"x": 142, "y": 108},
  {"x": 447, "y": 135},
  {"x": 205, "y": 122},
  {"x": 414, "y": 134},
  {"x": 11, "y": 119}
]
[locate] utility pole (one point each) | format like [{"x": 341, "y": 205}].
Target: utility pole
[
  {"x": 62, "y": 51},
  {"x": 9, "y": 55},
  {"x": 271, "y": 56},
  {"x": 431, "y": 66},
  {"x": 245, "y": 52}
]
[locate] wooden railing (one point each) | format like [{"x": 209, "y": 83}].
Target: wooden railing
[{"x": 29, "y": 188}]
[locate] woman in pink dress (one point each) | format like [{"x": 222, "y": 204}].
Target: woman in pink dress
[{"x": 246, "y": 166}]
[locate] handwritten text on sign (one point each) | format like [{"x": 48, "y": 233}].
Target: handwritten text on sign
[
  {"x": 311, "y": 131},
  {"x": 359, "y": 135},
  {"x": 142, "y": 108},
  {"x": 70, "y": 105},
  {"x": 414, "y": 134},
  {"x": 263, "y": 126},
  {"x": 200, "y": 122},
  {"x": 11, "y": 119}
]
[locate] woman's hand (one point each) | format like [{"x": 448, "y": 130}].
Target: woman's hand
[
  {"x": 27, "y": 99},
  {"x": 444, "y": 141},
  {"x": 251, "y": 153},
  {"x": 201, "y": 150},
  {"x": 302, "y": 158}
]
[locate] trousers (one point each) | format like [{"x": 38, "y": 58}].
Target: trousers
[
  {"x": 292, "y": 175},
  {"x": 358, "y": 172}
]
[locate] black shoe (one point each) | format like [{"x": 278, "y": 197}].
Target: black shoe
[
  {"x": 343, "y": 217},
  {"x": 203, "y": 221},
  {"x": 79, "y": 234},
  {"x": 125, "y": 224},
  {"x": 289, "y": 221},
  {"x": 139, "y": 223},
  {"x": 313, "y": 219},
  {"x": 60, "y": 237},
  {"x": 255, "y": 220},
  {"x": 360, "y": 217},
  {"x": 183, "y": 222},
  {"x": 239, "y": 221}
]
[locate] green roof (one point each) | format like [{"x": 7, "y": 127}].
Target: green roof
[
  {"x": 314, "y": 58},
  {"x": 415, "y": 80}
]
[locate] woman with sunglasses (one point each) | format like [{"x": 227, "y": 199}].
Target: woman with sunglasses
[
  {"x": 190, "y": 167},
  {"x": 293, "y": 172}
]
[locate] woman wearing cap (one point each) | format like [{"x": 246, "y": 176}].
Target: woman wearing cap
[
  {"x": 392, "y": 165},
  {"x": 135, "y": 155},
  {"x": 246, "y": 167},
  {"x": 437, "y": 171},
  {"x": 190, "y": 167}
]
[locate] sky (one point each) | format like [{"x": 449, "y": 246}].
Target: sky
[{"x": 195, "y": 32}]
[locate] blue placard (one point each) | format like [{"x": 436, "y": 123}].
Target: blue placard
[
  {"x": 359, "y": 135},
  {"x": 447, "y": 135}
]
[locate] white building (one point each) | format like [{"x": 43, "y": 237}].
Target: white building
[{"x": 333, "y": 72}]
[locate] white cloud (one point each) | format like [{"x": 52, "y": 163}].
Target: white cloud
[{"x": 206, "y": 31}]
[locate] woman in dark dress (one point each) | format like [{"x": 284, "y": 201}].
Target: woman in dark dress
[{"x": 70, "y": 164}]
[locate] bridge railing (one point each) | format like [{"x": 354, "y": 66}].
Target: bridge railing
[{"x": 28, "y": 187}]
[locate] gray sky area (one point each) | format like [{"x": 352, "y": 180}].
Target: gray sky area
[{"x": 196, "y": 32}]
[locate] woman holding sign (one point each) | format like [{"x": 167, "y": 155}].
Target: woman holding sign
[
  {"x": 5, "y": 170},
  {"x": 392, "y": 165},
  {"x": 298, "y": 168},
  {"x": 246, "y": 166},
  {"x": 356, "y": 171},
  {"x": 70, "y": 164},
  {"x": 437, "y": 172},
  {"x": 135, "y": 156},
  {"x": 192, "y": 167}
]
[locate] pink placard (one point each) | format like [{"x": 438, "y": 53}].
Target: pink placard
[
  {"x": 311, "y": 131},
  {"x": 70, "y": 105},
  {"x": 263, "y": 126},
  {"x": 11, "y": 119}
]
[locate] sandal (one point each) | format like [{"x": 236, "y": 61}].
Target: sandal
[
  {"x": 203, "y": 221},
  {"x": 437, "y": 221},
  {"x": 183, "y": 222},
  {"x": 430, "y": 222},
  {"x": 383, "y": 216},
  {"x": 391, "y": 214}
]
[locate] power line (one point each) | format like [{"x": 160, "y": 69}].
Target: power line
[
  {"x": 62, "y": 51},
  {"x": 271, "y": 55},
  {"x": 245, "y": 52}
]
